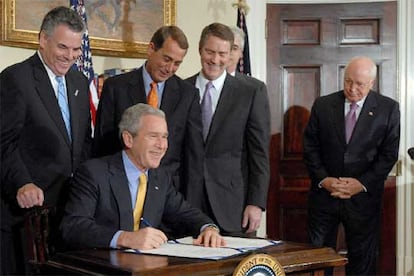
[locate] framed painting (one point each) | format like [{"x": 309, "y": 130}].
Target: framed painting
[{"x": 120, "y": 28}]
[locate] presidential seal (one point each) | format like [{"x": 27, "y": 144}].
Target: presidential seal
[{"x": 259, "y": 265}]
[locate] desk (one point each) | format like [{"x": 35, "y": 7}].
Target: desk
[{"x": 295, "y": 259}]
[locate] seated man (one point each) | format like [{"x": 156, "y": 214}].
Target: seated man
[{"x": 108, "y": 208}]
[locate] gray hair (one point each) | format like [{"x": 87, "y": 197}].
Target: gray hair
[
  {"x": 238, "y": 34},
  {"x": 373, "y": 68},
  {"x": 62, "y": 16},
  {"x": 131, "y": 118}
]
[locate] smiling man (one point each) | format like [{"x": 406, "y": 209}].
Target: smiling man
[
  {"x": 157, "y": 83},
  {"x": 104, "y": 208},
  {"x": 45, "y": 129},
  {"x": 350, "y": 145},
  {"x": 236, "y": 130}
]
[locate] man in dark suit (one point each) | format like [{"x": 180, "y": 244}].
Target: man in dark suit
[
  {"x": 236, "y": 164},
  {"x": 177, "y": 98},
  {"x": 348, "y": 167},
  {"x": 39, "y": 152},
  {"x": 101, "y": 211}
]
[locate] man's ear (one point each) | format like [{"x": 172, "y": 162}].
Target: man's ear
[
  {"x": 127, "y": 138},
  {"x": 151, "y": 49}
]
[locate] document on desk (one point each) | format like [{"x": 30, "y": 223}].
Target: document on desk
[{"x": 184, "y": 248}]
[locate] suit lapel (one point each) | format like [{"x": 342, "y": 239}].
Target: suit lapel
[
  {"x": 153, "y": 190},
  {"x": 224, "y": 105},
  {"x": 170, "y": 97},
  {"x": 73, "y": 99},
  {"x": 367, "y": 114},
  {"x": 136, "y": 89},
  {"x": 338, "y": 117},
  {"x": 46, "y": 93},
  {"x": 119, "y": 186}
]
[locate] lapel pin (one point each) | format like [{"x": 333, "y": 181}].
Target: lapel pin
[
  {"x": 156, "y": 188},
  {"x": 370, "y": 113},
  {"x": 76, "y": 92}
]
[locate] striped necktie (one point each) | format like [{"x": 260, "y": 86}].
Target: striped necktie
[
  {"x": 63, "y": 104},
  {"x": 206, "y": 109}
]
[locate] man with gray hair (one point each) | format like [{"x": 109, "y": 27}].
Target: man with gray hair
[
  {"x": 120, "y": 200},
  {"x": 236, "y": 50},
  {"x": 45, "y": 129}
]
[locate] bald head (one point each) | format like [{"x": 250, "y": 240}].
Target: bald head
[{"x": 360, "y": 74}]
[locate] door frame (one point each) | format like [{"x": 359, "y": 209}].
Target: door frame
[{"x": 405, "y": 83}]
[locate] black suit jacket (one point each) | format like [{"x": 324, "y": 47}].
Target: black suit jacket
[
  {"x": 100, "y": 204},
  {"x": 34, "y": 143},
  {"x": 236, "y": 164},
  {"x": 369, "y": 156},
  {"x": 180, "y": 102}
]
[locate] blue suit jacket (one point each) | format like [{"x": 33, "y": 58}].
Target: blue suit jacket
[{"x": 100, "y": 204}]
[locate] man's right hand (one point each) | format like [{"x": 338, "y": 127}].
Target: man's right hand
[
  {"x": 146, "y": 238},
  {"x": 29, "y": 195}
]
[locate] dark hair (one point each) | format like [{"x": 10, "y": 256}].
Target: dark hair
[
  {"x": 219, "y": 30},
  {"x": 161, "y": 35},
  {"x": 62, "y": 16}
]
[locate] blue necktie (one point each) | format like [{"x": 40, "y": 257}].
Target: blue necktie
[
  {"x": 63, "y": 104},
  {"x": 206, "y": 109}
]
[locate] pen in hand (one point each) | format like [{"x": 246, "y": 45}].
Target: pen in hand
[{"x": 148, "y": 224}]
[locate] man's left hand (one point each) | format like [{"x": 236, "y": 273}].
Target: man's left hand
[
  {"x": 347, "y": 188},
  {"x": 210, "y": 237},
  {"x": 251, "y": 217}
]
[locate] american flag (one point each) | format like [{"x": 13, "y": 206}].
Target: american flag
[
  {"x": 84, "y": 62},
  {"x": 244, "y": 63}
]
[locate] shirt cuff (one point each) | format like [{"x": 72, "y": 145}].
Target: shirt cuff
[
  {"x": 114, "y": 240},
  {"x": 320, "y": 183},
  {"x": 212, "y": 225},
  {"x": 365, "y": 188}
]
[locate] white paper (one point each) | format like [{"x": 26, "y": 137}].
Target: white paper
[{"x": 184, "y": 248}]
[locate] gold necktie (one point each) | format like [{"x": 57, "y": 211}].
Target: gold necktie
[
  {"x": 153, "y": 95},
  {"x": 139, "y": 203}
]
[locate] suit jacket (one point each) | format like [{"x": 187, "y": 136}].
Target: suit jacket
[
  {"x": 34, "y": 141},
  {"x": 369, "y": 156},
  {"x": 180, "y": 102},
  {"x": 236, "y": 164},
  {"x": 100, "y": 204}
]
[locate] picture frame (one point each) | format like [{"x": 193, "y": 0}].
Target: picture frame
[{"x": 120, "y": 28}]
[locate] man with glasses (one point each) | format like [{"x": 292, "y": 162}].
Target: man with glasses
[{"x": 350, "y": 145}]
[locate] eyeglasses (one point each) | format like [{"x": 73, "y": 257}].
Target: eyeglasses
[{"x": 359, "y": 85}]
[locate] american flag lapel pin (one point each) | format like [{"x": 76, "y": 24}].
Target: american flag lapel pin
[
  {"x": 76, "y": 92},
  {"x": 371, "y": 113},
  {"x": 156, "y": 188}
]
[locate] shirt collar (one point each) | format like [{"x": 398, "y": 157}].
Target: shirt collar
[
  {"x": 132, "y": 172},
  {"x": 218, "y": 83},
  {"x": 148, "y": 80}
]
